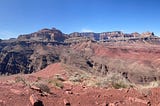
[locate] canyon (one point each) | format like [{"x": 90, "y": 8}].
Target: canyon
[{"x": 86, "y": 62}]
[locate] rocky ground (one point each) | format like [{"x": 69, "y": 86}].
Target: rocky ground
[
  {"x": 20, "y": 95},
  {"x": 55, "y": 89}
]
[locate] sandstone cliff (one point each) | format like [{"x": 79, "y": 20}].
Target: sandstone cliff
[{"x": 135, "y": 56}]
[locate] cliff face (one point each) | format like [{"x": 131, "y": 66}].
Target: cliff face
[
  {"x": 127, "y": 54},
  {"x": 107, "y": 36},
  {"x": 44, "y": 35},
  {"x": 31, "y": 52},
  {"x": 26, "y": 57}
]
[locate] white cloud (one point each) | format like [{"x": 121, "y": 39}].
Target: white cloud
[{"x": 86, "y": 30}]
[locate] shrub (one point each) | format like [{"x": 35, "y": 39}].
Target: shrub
[
  {"x": 75, "y": 79},
  {"x": 43, "y": 87},
  {"x": 20, "y": 79},
  {"x": 115, "y": 80},
  {"x": 58, "y": 77},
  {"x": 39, "y": 78},
  {"x": 56, "y": 83},
  {"x": 118, "y": 85},
  {"x": 102, "y": 82},
  {"x": 78, "y": 77}
]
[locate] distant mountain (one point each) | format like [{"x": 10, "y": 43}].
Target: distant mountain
[
  {"x": 104, "y": 36},
  {"x": 44, "y": 35},
  {"x": 57, "y": 36},
  {"x": 96, "y": 53}
]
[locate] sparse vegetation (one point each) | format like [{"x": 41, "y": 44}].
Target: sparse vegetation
[
  {"x": 56, "y": 83},
  {"x": 77, "y": 77},
  {"x": 118, "y": 81},
  {"x": 20, "y": 79},
  {"x": 145, "y": 89},
  {"x": 118, "y": 85},
  {"x": 43, "y": 87},
  {"x": 59, "y": 77},
  {"x": 114, "y": 80},
  {"x": 102, "y": 82},
  {"x": 39, "y": 78},
  {"x": 152, "y": 84}
]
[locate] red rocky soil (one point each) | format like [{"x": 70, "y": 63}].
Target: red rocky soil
[{"x": 19, "y": 94}]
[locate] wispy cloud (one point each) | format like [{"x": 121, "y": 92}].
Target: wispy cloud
[
  {"x": 7, "y": 34},
  {"x": 86, "y": 30}
]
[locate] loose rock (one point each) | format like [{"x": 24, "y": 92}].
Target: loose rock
[{"x": 66, "y": 102}]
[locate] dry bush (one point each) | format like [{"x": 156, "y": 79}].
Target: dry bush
[
  {"x": 43, "y": 87},
  {"x": 115, "y": 80},
  {"x": 118, "y": 85},
  {"x": 77, "y": 77},
  {"x": 39, "y": 78},
  {"x": 20, "y": 79},
  {"x": 59, "y": 77},
  {"x": 56, "y": 83},
  {"x": 145, "y": 89}
]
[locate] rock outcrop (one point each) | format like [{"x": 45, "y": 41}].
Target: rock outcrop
[
  {"x": 107, "y": 36},
  {"x": 26, "y": 57},
  {"x": 135, "y": 56},
  {"x": 147, "y": 34},
  {"x": 44, "y": 35}
]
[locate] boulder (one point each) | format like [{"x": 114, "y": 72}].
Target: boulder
[
  {"x": 66, "y": 102},
  {"x": 34, "y": 101}
]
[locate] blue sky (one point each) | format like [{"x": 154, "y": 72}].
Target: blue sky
[{"x": 26, "y": 16}]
